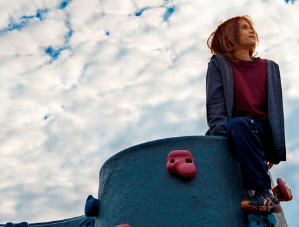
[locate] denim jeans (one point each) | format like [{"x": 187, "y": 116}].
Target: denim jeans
[{"x": 248, "y": 137}]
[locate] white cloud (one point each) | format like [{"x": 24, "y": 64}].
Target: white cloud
[{"x": 13, "y": 13}]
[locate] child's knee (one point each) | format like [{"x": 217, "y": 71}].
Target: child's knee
[{"x": 236, "y": 122}]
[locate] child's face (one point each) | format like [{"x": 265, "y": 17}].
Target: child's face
[{"x": 244, "y": 34}]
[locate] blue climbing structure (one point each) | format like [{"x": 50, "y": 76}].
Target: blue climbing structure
[
  {"x": 183, "y": 181},
  {"x": 137, "y": 189}
]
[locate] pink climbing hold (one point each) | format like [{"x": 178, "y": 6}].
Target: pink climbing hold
[
  {"x": 125, "y": 225},
  {"x": 282, "y": 191},
  {"x": 182, "y": 163}
]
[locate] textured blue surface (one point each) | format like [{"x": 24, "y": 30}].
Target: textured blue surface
[
  {"x": 255, "y": 220},
  {"x": 136, "y": 188},
  {"x": 91, "y": 207},
  {"x": 70, "y": 222},
  {"x": 87, "y": 222},
  {"x": 22, "y": 224}
]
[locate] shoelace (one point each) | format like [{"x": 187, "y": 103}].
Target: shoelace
[{"x": 268, "y": 209}]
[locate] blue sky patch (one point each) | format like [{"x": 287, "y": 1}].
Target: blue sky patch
[
  {"x": 292, "y": 1},
  {"x": 15, "y": 26},
  {"x": 27, "y": 17},
  {"x": 25, "y": 21},
  {"x": 52, "y": 52},
  {"x": 168, "y": 13},
  {"x": 68, "y": 35},
  {"x": 138, "y": 14},
  {"x": 64, "y": 4},
  {"x": 40, "y": 13}
]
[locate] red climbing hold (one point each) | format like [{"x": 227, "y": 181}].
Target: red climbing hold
[
  {"x": 181, "y": 162},
  {"x": 125, "y": 225},
  {"x": 282, "y": 191}
]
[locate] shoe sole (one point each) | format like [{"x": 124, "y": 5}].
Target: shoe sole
[{"x": 245, "y": 206}]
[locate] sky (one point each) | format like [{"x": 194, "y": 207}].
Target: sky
[{"x": 81, "y": 80}]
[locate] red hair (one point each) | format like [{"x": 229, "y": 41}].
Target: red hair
[{"x": 225, "y": 39}]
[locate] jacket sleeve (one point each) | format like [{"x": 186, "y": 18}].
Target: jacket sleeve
[
  {"x": 278, "y": 122},
  {"x": 282, "y": 155},
  {"x": 215, "y": 102}
]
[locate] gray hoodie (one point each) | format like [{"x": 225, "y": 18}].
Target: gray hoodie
[{"x": 220, "y": 101}]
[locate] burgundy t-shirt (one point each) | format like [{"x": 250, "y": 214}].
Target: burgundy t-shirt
[{"x": 250, "y": 81}]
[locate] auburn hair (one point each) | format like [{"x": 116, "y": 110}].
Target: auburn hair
[{"x": 225, "y": 38}]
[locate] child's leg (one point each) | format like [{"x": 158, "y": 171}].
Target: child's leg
[{"x": 246, "y": 138}]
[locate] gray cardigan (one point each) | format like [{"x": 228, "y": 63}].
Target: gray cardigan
[{"x": 220, "y": 100}]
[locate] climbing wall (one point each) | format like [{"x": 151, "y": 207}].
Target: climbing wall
[
  {"x": 70, "y": 222},
  {"x": 137, "y": 189}
]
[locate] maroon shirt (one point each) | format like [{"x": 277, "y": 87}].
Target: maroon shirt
[{"x": 250, "y": 81}]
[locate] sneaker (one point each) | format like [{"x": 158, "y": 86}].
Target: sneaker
[{"x": 263, "y": 201}]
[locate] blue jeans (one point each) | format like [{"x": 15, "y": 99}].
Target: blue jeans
[{"x": 248, "y": 137}]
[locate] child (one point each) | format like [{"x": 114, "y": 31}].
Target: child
[{"x": 244, "y": 103}]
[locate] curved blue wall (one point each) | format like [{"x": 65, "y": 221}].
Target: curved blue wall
[
  {"x": 70, "y": 222},
  {"x": 137, "y": 189}
]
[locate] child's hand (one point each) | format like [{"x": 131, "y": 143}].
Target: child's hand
[{"x": 269, "y": 164}]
